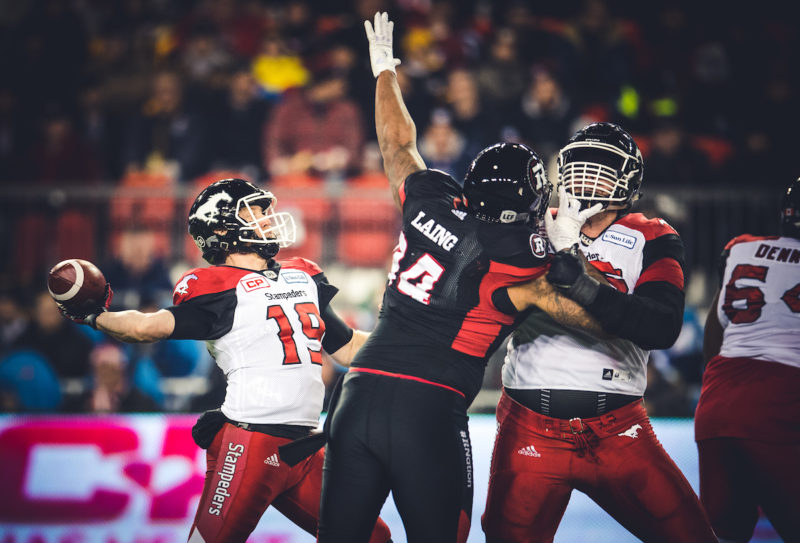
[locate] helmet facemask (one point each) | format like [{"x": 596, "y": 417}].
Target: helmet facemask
[
  {"x": 268, "y": 228},
  {"x": 596, "y": 172}
]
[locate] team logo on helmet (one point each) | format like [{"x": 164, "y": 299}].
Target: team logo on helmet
[{"x": 208, "y": 211}]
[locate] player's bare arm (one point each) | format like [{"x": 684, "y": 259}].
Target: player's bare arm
[
  {"x": 397, "y": 134},
  {"x": 137, "y": 327},
  {"x": 712, "y": 334},
  {"x": 540, "y": 293},
  {"x": 348, "y": 351}
]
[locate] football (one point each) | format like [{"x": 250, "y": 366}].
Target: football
[{"x": 77, "y": 284}]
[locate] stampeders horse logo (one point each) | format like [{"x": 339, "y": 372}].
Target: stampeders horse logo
[
  {"x": 632, "y": 432},
  {"x": 183, "y": 286}
]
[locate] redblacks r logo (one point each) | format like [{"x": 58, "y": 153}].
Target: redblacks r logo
[{"x": 538, "y": 246}]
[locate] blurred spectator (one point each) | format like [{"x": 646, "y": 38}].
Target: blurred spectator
[
  {"x": 101, "y": 131},
  {"x": 13, "y": 319},
  {"x": 277, "y": 69},
  {"x": 673, "y": 161},
  {"x": 469, "y": 117},
  {"x": 204, "y": 58},
  {"x": 137, "y": 273},
  {"x": 600, "y": 60},
  {"x": 317, "y": 129},
  {"x": 62, "y": 343},
  {"x": 168, "y": 134},
  {"x": 237, "y": 129},
  {"x": 60, "y": 155},
  {"x": 110, "y": 390},
  {"x": 547, "y": 115},
  {"x": 48, "y": 55},
  {"x": 502, "y": 77},
  {"x": 10, "y": 135},
  {"x": 443, "y": 147},
  {"x": 28, "y": 383}
]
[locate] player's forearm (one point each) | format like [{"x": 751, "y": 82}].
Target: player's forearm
[
  {"x": 394, "y": 126},
  {"x": 543, "y": 295},
  {"x": 712, "y": 333},
  {"x": 135, "y": 326},
  {"x": 346, "y": 354},
  {"x": 397, "y": 134}
]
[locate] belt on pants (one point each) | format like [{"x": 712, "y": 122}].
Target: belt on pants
[{"x": 570, "y": 404}]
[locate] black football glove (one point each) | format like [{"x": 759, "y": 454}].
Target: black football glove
[
  {"x": 569, "y": 276},
  {"x": 84, "y": 316}
]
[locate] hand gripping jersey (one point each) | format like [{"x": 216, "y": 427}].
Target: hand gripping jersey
[
  {"x": 759, "y": 303},
  {"x": 631, "y": 253},
  {"x": 265, "y": 332},
  {"x": 438, "y": 321}
]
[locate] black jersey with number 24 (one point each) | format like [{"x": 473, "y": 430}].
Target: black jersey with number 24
[{"x": 438, "y": 320}]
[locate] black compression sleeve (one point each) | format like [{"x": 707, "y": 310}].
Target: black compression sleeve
[
  {"x": 502, "y": 301},
  {"x": 209, "y": 316},
  {"x": 651, "y": 317},
  {"x": 337, "y": 333}
]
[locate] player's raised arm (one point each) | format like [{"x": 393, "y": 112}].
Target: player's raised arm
[{"x": 397, "y": 134}]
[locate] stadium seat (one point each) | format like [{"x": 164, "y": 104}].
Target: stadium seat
[
  {"x": 143, "y": 201},
  {"x": 369, "y": 223}
]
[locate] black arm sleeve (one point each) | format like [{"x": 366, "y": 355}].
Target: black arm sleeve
[
  {"x": 209, "y": 316},
  {"x": 502, "y": 301},
  {"x": 325, "y": 290},
  {"x": 651, "y": 317},
  {"x": 337, "y": 333}
]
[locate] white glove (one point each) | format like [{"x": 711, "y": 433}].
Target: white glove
[
  {"x": 380, "y": 44},
  {"x": 564, "y": 231}
]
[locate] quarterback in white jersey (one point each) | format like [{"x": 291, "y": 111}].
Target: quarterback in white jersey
[
  {"x": 266, "y": 323},
  {"x": 747, "y": 423},
  {"x": 571, "y": 414}
]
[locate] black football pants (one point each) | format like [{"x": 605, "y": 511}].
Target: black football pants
[{"x": 404, "y": 436}]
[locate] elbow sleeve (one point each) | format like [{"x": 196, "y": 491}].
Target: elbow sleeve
[{"x": 651, "y": 317}]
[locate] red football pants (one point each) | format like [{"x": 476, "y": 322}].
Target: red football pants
[
  {"x": 617, "y": 461},
  {"x": 245, "y": 475},
  {"x": 739, "y": 475}
]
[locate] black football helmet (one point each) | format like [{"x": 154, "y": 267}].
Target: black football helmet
[
  {"x": 506, "y": 183},
  {"x": 222, "y": 221},
  {"x": 790, "y": 210},
  {"x": 601, "y": 164}
]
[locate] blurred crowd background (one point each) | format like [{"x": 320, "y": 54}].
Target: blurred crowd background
[{"x": 113, "y": 115}]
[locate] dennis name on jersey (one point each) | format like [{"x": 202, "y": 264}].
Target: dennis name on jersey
[{"x": 435, "y": 232}]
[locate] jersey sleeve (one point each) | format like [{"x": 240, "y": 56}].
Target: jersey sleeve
[
  {"x": 204, "y": 317},
  {"x": 652, "y": 315},
  {"x": 204, "y": 301},
  {"x": 429, "y": 184},
  {"x": 325, "y": 290}
]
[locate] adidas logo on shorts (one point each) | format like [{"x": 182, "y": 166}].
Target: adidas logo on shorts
[
  {"x": 529, "y": 451},
  {"x": 273, "y": 460}
]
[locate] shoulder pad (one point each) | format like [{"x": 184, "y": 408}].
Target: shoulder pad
[
  {"x": 209, "y": 280},
  {"x": 300, "y": 263},
  {"x": 745, "y": 238},
  {"x": 651, "y": 228}
]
